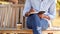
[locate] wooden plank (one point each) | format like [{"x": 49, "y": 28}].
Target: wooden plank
[
  {"x": 9, "y": 15},
  {"x": 16, "y": 31},
  {"x": 29, "y": 31}
]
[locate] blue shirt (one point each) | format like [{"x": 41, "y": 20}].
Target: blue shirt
[{"x": 49, "y": 6}]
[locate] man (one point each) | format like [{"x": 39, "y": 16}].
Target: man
[{"x": 38, "y": 21}]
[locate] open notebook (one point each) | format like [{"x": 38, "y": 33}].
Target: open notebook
[{"x": 41, "y": 12}]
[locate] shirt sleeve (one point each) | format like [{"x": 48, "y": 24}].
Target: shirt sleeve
[
  {"x": 52, "y": 10},
  {"x": 27, "y": 7}
]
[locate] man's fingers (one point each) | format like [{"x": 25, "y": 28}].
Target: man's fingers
[
  {"x": 47, "y": 17},
  {"x": 27, "y": 14},
  {"x": 40, "y": 15}
]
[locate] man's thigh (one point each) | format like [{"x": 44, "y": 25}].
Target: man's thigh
[{"x": 34, "y": 21}]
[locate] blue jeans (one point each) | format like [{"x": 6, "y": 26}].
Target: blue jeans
[{"x": 36, "y": 24}]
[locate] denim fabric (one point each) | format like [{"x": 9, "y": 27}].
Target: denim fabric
[{"x": 36, "y": 24}]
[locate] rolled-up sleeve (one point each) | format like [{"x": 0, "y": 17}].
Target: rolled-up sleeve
[
  {"x": 52, "y": 10},
  {"x": 27, "y": 7}
]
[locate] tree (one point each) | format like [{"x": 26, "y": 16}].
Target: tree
[{"x": 58, "y": 2}]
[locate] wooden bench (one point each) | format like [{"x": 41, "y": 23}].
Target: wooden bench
[
  {"x": 16, "y": 31},
  {"x": 28, "y": 31},
  {"x": 51, "y": 32}
]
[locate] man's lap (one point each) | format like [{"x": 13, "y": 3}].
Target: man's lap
[{"x": 34, "y": 21}]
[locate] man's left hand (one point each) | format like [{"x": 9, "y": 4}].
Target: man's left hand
[{"x": 44, "y": 16}]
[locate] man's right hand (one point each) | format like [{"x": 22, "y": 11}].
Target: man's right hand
[{"x": 28, "y": 13}]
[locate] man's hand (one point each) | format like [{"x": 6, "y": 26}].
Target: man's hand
[
  {"x": 44, "y": 16},
  {"x": 27, "y": 14},
  {"x": 47, "y": 17}
]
